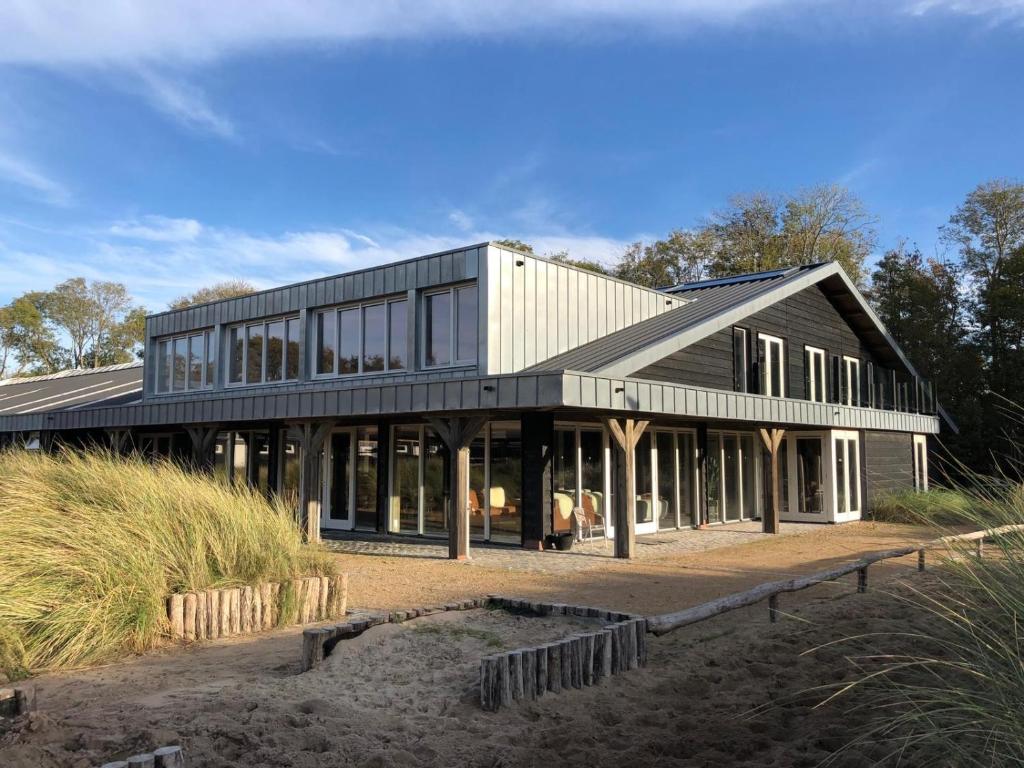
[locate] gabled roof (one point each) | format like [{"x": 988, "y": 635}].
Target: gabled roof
[
  {"x": 713, "y": 305},
  {"x": 72, "y": 389}
]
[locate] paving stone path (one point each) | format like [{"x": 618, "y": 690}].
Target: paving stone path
[{"x": 597, "y": 553}]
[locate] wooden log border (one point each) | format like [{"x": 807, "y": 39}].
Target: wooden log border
[
  {"x": 15, "y": 702},
  {"x": 213, "y": 613},
  {"x": 667, "y": 622},
  {"x": 164, "y": 757},
  {"x": 578, "y": 661}
]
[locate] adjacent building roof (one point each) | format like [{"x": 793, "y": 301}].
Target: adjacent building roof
[{"x": 71, "y": 390}]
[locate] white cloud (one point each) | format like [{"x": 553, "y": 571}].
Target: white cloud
[
  {"x": 158, "y": 229},
  {"x": 21, "y": 173},
  {"x": 159, "y": 258},
  {"x": 461, "y": 219},
  {"x": 185, "y": 103},
  {"x": 56, "y": 32}
]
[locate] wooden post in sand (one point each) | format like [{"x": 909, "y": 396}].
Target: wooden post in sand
[
  {"x": 201, "y": 615},
  {"x": 245, "y": 610},
  {"x": 176, "y": 613},
  {"x": 190, "y": 616},
  {"x": 145, "y": 760},
  {"x": 324, "y": 593},
  {"x": 541, "y": 652},
  {"x": 169, "y": 757},
  {"x": 213, "y": 613}
]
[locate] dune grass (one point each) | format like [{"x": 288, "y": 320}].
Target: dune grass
[
  {"x": 957, "y": 697},
  {"x": 92, "y": 543}
]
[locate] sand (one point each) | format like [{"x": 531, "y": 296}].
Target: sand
[{"x": 406, "y": 695}]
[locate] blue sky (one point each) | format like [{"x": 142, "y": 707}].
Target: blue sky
[{"x": 170, "y": 146}]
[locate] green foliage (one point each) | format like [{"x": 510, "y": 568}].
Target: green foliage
[
  {"x": 933, "y": 507},
  {"x": 956, "y": 697},
  {"x": 91, "y": 544},
  {"x": 228, "y": 289},
  {"x": 515, "y": 245}
]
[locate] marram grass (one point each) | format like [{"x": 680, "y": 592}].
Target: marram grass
[{"x": 92, "y": 543}]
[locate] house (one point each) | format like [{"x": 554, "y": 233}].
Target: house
[{"x": 531, "y": 387}]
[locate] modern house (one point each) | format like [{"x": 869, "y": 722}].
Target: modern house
[{"x": 539, "y": 392}]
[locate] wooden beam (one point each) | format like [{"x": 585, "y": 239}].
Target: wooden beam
[
  {"x": 312, "y": 436},
  {"x": 457, "y": 433},
  {"x": 626, "y": 436},
  {"x": 772, "y": 440}
]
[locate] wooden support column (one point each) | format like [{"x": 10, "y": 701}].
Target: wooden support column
[
  {"x": 312, "y": 438},
  {"x": 274, "y": 452},
  {"x": 119, "y": 440},
  {"x": 457, "y": 433},
  {"x": 626, "y": 435},
  {"x": 538, "y": 431},
  {"x": 772, "y": 440},
  {"x": 203, "y": 437}
]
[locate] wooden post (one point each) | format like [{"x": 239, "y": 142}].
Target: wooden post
[
  {"x": 541, "y": 653},
  {"x": 201, "y": 615},
  {"x": 490, "y": 695},
  {"x": 190, "y": 616},
  {"x": 146, "y": 760},
  {"x": 626, "y": 436},
  {"x": 773, "y": 608},
  {"x": 554, "y": 667},
  {"x": 515, "y": 666},
  {"x": 213, "y": 614},
  {"x": 245, "y": 608},
  {"x": 225, "y": 612},
  {"x": 311, "y": 440},
  {"x": 203, "y": 438},
  {"x": 862, "y": 579},
  {"x": 920, "y": 559},
  {"x": 169, "y": 757},
  {"x": 772, "y": 440},
  {"x": 457, "y": 433},
  {"x": 176, "y": 614}
]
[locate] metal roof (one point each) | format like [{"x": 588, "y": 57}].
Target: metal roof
[
  {"x": 749, "y": 277},
  {"x": 72, "y": 389},
  {"x": 709, "y": 301}
]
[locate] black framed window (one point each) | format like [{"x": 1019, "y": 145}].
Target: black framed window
[
  {"x": 740, "y": 360},
  {"x": 815, "y": 376},
  {"x": 185, "y": 363},
  {"x": 264, "y": 352},
  {"x": 369, "y": 337}
]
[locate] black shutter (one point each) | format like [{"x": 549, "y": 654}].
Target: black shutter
[
  {"x": 835, "y": 387},
  {"x": 740, "y": 370}
]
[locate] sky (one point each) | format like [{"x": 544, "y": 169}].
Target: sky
[{"x": 169, "y": 146}]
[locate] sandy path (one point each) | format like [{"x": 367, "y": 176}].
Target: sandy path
[{"x": 239, "y": 702}]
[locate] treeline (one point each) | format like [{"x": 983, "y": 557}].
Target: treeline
[
  {"x": 959, "y": 316},
  {"x": 82, "y": 324}
]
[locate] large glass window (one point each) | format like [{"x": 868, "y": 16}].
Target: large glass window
[
  {"x": 810, "y": 475},
  {"x": 275, "y": 350},
  {"x": 477, "y": 486},
  {"x": 348, "y": 341},
  {"x": 366, "y": 478},
  {"x": 195, "y": 361},
  {"x": 643, "y": 469},
  {"x": 211, "y": 360},
  {"x": 326, "y": 334},
  {"x": 814, "y": 374},
  {"x": 165, "y": 355},
  {"x": 685, "y": 443},
  {"x": 178, "y": 381},
  {"x": 340, "y": 478},
  {"x": 714, "y": 474},
  {"x": 748, "y": 472},
  {"x": 731, "y": 475},
  {"x": 435, "y": 483},
  {"x": 405, "y": 482},
  {"x": 563, "y": 475},
  {"x": 771, "y": 362},
  {"x": 851, "y": 373},
  {"x": 450, "y": 327},
  {"x": 398, "y": 335},
  {"x": 267, "y": 352},
  {"x": 362, "y": 338},
  {"x": 665, "y": 443},
  {"x": 740, "y": 363},
  {"x": 592, "y": 476},
  {"x": 847, "y": 474},
  {"x": 506, "y": 504}
]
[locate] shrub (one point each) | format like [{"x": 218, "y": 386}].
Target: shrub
[
  {"x": 958, "y": 695},
  {"x": 934, "y": 507},
  {"x": 92, "y": 543}
]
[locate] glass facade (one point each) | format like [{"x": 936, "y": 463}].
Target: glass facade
[
  {"x": 405, "y": 480},
  {"x": 505, "y": 492},
  {"x": 366, "y": 478},
  {"x": 435, "y": 483},
  {"x": 666, "y": 446}
]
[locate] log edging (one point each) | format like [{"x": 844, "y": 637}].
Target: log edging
[
  {"x": 213, "y": 613},
  {"x": 578, "y": 661},
  {"x": 15, "y": 702},
  {"x": 164, "y": 757}
]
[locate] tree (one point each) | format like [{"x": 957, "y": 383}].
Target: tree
[
  {"x": 562, "y": 257},
  {"x": 92, "y": 316},
  {"x": 516, "y": 245},
  {"x": 228, "y": 289},
  {"x": 27, "y": 343},
  {"x": 685, "y": 256},
  {"x": 124, "y": 341}
]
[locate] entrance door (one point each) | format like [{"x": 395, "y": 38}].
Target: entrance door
[
  {"x": 338, "y": 502},
  {"x": 803, "y": 478},
  {"x": 846, "y": 475}
]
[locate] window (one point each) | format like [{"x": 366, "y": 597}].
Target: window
[
  {"x": 740, "y": 362},
  {"x": 920, "y": 444},
  {"x": 450, "y": 327},
  {"x": 264, "y": 352},
  {"x": 185, "y": 363},
  {"x": 770, "y": 364},
  {"x": 814, "y": 374},
  {"x": 851, "y": 381},
  {"x": 846, "y": 475},
  {"x": 869, "y": 384},
  {"x": 362, "y": 338},
  {"x": 837, "y": 392}
]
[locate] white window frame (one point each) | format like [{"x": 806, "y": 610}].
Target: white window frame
[
  {"x": 838, "y": 442},
  {"x": 849, "y": 364},
  {"x": 453, "y": 327},
  {"x": 769, "y": 357},
  {"x": 208, "y": 348},
  {"x": 361, "y": 308},
  {"x": 244, "y": 327},
  {"x": 818, "y": 366},
  {"x": 920, "y": 462}
]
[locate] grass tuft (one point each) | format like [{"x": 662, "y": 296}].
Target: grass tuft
[{"x": 92, "y": 543}]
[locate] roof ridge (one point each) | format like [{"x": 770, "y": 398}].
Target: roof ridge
[
  {"x": 745, "y": 277},
  {"x": 70, "y": 372}
]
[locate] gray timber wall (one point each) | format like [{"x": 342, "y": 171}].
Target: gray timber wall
[
  {"x": 807, "y": 318},
  {"x": 888, "y": 463}
]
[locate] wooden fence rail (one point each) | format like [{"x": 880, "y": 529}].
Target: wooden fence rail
[{"x": 667, "y": 622}]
